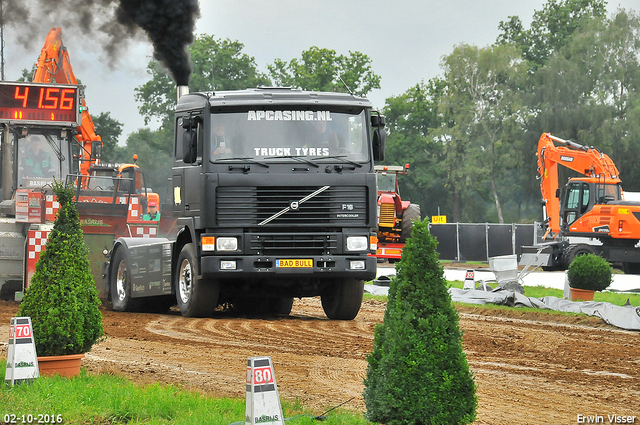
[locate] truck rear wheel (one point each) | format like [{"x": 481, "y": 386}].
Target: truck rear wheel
[
  {"x": 342, "y": 300},
  {"x": 195, "y": 297},
  {"x": 120, "y": 285},
  {"x": 411, "y": 214}
]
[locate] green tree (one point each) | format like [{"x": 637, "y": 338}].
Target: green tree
[
  {"x": 484, "y": 108},
  {"x": 109, "y": 129},
  {"x": 62, "y": 299},
  {"x": 550, "y": 29},
  {"x": 324, "y": 70},
  {"x": 27, "y": 75},
  {"x": 411, "y": 117},
  {"x": 155, "y": 162},
  {"x": 217, "y": 65},
  {"x": 418, "y": 372},
  {"x": 589, "y": 91}
]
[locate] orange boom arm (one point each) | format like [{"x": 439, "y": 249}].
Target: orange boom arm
[{"x": 54, "y": 66}]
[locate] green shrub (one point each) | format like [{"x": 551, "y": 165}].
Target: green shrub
[
  {"x": 62, "y": 299},
  {"x": 590, "y": 272},
  {"x": 418, "y": 372}
]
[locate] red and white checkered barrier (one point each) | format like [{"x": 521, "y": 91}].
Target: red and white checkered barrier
[
  {"x": 143, "y": 231},
  {"x": 36, "y": 241},
  {"x": 51, "y": 207}
]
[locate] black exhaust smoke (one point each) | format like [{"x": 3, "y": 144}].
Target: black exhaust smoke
[{"x": 169, "y": 24}]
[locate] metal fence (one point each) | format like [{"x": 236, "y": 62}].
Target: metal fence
[{"x": 479, "y": 241}]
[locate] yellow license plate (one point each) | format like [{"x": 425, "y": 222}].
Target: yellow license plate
[{"x": 294, "y": 263}]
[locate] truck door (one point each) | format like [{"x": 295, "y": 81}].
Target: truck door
[{"x": 186, "y": 174}]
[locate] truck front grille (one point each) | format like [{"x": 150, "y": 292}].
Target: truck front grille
[
  {"x": 302, "y": 244},
  {"x": 251, "y": 206}
]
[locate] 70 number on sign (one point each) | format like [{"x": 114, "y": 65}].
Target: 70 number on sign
[{"x": 20, "y": 331}]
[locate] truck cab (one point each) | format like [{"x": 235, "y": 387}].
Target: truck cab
[{"x": 274, "y": 192}]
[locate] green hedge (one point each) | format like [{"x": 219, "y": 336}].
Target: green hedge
[{"x": 590, "y": 272}]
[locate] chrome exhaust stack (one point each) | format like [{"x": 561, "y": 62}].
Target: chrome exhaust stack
[{"x": 181, "y": 91}]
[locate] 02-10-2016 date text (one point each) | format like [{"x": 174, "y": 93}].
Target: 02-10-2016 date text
[{"x": 40, "y": 418}]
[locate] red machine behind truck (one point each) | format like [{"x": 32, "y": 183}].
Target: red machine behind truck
[
  {"x": 395, "y": 216},
  {"x": 591, "y": 207}
]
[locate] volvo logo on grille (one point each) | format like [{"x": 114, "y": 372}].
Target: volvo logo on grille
[{"x": 294, "y": 205}]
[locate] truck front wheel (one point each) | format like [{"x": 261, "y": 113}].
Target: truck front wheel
[
  {"x": 342, "y": 300},
  {"x": 121, "y": 284},
  {"x": 196, "y": 297}
]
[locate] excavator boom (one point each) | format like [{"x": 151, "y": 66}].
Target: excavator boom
[{"x": 54, "y": 66}]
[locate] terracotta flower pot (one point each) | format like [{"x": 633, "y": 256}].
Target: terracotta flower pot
[
  {"x": 581, "y": 294},
  {"x": 68, "y": 365}
]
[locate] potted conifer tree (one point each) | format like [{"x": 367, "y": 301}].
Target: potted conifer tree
[
  {"x": 418, "y": 372},
  {"x": 62, "y": 299},
  {"x": 587, "y": 274}
]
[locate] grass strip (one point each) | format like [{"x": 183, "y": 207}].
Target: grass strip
[{"x": 110, "y": 399}]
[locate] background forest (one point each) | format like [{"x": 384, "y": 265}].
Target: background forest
[{"x": 470, "y": 134}]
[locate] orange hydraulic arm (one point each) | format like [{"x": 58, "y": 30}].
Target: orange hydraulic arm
[
  {"x": 54, "y": 66},
  {"x": 587, "y": 161}
]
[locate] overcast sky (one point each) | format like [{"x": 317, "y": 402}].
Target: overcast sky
[{"x": 404, "y": 39}]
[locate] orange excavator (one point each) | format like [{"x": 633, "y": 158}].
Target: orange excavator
[
  {"x": 590, "y": 207},
  {"x": 53, "y": 66}
]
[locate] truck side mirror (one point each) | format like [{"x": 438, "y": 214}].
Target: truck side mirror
[
  {"x": 190, "y": 146},
  {"x": 377, "y": 121},
  {"x": 190, "y": 139},
  {"x": 379, "y": 141}
]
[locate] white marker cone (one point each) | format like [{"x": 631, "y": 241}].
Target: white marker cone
[
  {"x": 262, "y": 402},
  {"x": 469, "y": 280},
  {"x": 22, "y": 359}
]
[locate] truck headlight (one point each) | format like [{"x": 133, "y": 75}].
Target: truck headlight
[
  {"x": 357, "y": 243},
  {"x": 226, "y": 244}
]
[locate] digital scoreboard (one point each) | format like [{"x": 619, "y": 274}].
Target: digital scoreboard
[{"x": 36, "y": 103}]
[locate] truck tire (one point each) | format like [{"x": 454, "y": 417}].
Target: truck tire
[
  {"x": 120, "y": 285},
  {"x": 342, "y": 300},
  {"x": 574, "y": 251},
  {"x": 411, "y": 214},
  {"x": 195, "y": 297}
]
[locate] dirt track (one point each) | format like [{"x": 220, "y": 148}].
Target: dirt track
[{"x": 528, "y": 371}]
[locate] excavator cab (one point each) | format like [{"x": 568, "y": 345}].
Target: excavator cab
[{"x": 579, "y": 196}]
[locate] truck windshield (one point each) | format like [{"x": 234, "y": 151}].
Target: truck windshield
[
  {"x": 287, "y": 135},
  {"x": 41, "y": 158}
]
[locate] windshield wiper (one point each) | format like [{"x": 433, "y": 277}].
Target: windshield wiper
[
  {"x": 242, "y": 159},
  {"x": 342, "y": 158},
  {"x": 300, "y": 158}
]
